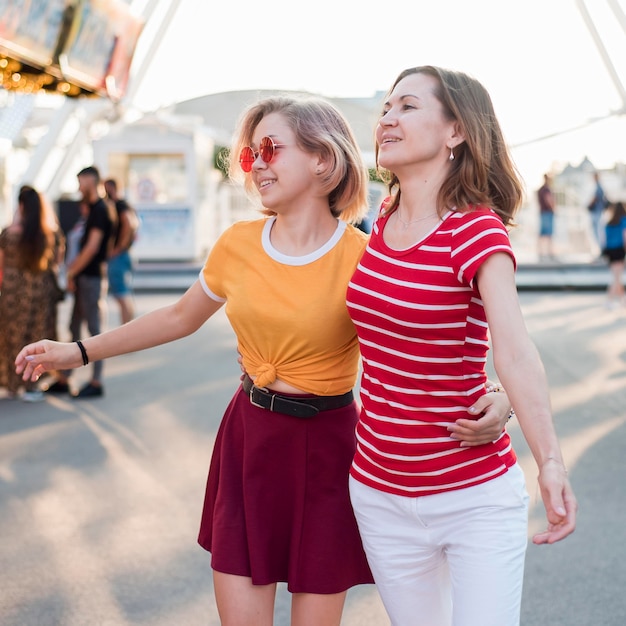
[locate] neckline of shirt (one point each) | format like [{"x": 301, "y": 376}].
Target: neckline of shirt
[
  {"x": 299, "y": 260},
  {"x": 421, "y": 240}
]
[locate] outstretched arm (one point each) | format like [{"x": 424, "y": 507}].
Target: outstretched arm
[{"x": 155, "y": 328}]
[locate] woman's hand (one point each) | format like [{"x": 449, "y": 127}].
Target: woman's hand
[
  {"x": 559, "y": 502},
  {"x": 495, "y": 409},
  {"x": 44, "y": 356}
]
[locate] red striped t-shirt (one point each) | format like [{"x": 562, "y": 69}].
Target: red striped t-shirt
[{"x": 424, "y": 341}]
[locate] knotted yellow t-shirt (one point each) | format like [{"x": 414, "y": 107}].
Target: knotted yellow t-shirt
[{"x": 289, "y": 313}]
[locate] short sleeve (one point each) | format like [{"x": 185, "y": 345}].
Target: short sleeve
[
  {"x": 478, "y": 235},
  {"x": 212, "y": 275}
]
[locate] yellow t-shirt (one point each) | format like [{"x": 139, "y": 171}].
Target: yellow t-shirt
[{"x": 289, "y": 313}]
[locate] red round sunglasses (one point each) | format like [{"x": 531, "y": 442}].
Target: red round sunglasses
[{"x": 267, "y": 149}]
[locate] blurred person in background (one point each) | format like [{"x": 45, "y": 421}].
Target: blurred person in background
[
  {"x": 87, "y": 278},
  {"x": 547, "y": 206},
  {"x": 614, "y": 252},
  {"x": 31, "y": 248},
  {"x": 120, "y": 265},
  {"x": 75, "y": 234},
  {"x": 596, "y": 207}
]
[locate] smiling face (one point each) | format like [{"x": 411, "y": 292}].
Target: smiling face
[
  {"x": 413, "y": 129},
  {"x": 289, "y": 180}
]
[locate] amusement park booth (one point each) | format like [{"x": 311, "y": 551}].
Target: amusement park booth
[{"x": 166, "y": 173}]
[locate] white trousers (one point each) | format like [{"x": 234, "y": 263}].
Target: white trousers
[{"x": 449, "y": 559}]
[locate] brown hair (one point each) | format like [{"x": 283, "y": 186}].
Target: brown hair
[
  {"x": 319, "y": 128},
  {"x": 37, "y": 239},
  {"x": 482, "y": 172},
  {"x": 617, "y": 213}
]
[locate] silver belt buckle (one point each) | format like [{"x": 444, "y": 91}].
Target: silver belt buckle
[{"x": 253, "y": 403}]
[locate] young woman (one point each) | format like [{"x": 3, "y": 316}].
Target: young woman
[
  {"x": 30, "y": 250},
  {"x": 444, "y": 526},
  {"x": 614, "y": 252},
  {"x": 277, "y": 505}
]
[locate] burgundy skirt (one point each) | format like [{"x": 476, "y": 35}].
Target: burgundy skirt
[{"x": 277, "y": 507}]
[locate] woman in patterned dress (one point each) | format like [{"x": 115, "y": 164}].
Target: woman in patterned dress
[{"x": 30, "y": 249}]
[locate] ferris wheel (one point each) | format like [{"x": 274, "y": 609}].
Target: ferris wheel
[{"x": 620, "y": 16}]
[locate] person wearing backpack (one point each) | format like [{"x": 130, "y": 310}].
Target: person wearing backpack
[{"x": 120, "y": 265}]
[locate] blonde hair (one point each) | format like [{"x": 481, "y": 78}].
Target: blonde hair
[
  {"x": 482, "y": 172},
  {"x": 321, "y": 129}
]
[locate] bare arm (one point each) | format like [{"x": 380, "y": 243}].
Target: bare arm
[
  {"x": 520, "y": 369},
  {"x": 152, "y": 329},
  {"x": 125, "y": 234},
  {"x": 87, "y": 253},
  {"x": 83, "y": 258}
]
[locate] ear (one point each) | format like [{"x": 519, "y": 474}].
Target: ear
[
  {"x": 457, "y": 135},
  {"x": 320, "y": 164}
]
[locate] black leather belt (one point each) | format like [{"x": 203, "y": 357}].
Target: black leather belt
[{"x": 294, "y": 406}]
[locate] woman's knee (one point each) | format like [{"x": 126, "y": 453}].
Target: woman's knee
[
  {"x": 315, "y": 609},
  {"x": 240, "y": 603}
]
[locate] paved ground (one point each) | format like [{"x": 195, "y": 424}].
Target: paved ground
[{"x": 100, "y": 500}]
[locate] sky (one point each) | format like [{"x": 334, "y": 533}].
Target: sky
[{"x": 537, "y": 59}]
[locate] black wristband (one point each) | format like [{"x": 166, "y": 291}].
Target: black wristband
[{"x": 83, "y": 352}]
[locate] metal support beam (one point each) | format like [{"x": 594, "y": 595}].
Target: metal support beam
[
  {"x": 49, "y": 141},
  {"x": 619, "y": 13},
  {"x": 138, "y": 72},
  {"x": 582, "y": 7}
]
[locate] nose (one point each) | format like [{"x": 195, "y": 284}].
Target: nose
[
  {"x": 258, "y": 163},
  {"x": 387, "y": 119}
]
